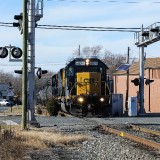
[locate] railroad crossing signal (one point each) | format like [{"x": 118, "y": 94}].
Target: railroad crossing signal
[
  {"x": 143, "y": 38},
  {"x": 18, "y": 71},
  {"x": 40, "y": 72},
  {"x": 26, "y": 23},
  {"x": 3, "y": 52},
  {"x": 16, "y": 52},
  {"x": 136, "y": 81},
  {"x": 148, "y": 81},
  {"x": 149, "y": 34},
  {"x": 19, "y": 23}
]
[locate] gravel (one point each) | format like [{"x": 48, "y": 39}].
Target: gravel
[{"x": 100, "y": 147}]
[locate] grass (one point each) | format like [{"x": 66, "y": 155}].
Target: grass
[
  {"x": 16, "y": 143},
  {"x": 11, "y": 146},
  {"x": 15, "y": 110},
  {"x": 50, "y": 138}
]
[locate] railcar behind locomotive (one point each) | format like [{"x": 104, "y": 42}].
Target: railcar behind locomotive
[{"x": 81, "y": 87}]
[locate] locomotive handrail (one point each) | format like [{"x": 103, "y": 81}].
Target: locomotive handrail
[
  {"x": 72, "y": 88},
  {"x": 106, "y": 86}
]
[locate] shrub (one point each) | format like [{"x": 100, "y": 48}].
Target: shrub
[
  {"x": 39, "y": 110},
  {"x": 52, "y": 107}
]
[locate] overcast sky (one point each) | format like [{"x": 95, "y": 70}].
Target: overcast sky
[{"x": 54, "y": 47}]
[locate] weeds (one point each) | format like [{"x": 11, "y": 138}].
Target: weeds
[
  {"x": 11, "y": 146},
  {"x": 15, "y": 143}
]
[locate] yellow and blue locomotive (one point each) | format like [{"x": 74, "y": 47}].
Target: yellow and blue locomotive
[{"x": 81, "y": 87}]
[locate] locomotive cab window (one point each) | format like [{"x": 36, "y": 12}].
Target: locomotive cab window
[
  {"x": 102, "y": 71},
  {"x": 70, "y": 72},
  {"x": 87, "y": 69}
]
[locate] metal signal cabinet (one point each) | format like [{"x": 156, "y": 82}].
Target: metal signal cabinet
[
  {"x": 132, "y": 106},
  {"x": 117, "y": 104}
]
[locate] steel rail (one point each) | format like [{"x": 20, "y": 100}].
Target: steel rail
[
  {"x": 131, "y": 137},
  {"x": 64, "y": 114},
  {"x": 141, "y": 129}
]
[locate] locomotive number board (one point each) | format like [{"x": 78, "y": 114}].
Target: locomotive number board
[{"x": 82, "y": 63}]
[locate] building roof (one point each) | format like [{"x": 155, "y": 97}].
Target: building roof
[{"x": 153, "y": 63}]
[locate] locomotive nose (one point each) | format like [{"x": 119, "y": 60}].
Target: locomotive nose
[{"x": 88, "y": 83}]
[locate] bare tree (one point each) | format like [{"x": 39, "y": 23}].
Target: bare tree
[
  {"x": 113, "y": 60},
  {"x": 96, "y": 50},
  {"x": 86, "y": 51},
  {"x": 89, "y": 51}
]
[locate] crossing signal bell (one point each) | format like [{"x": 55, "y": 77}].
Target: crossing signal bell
[{"x": 135, "y": 81}]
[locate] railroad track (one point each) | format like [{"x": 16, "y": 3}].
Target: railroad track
[
  {"x": 145, "y": 130},
  {"x": 63, "y": 114},
  {"x": 150, "y": 141},
  {"x": 144, "y": 136}
]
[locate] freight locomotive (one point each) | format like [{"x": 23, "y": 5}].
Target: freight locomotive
[{"x": 81, "y": 88}]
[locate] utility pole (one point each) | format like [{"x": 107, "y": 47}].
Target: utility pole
[
  {"x": 127, "y": 83},
  {"x": 79, "y": 51},
  {"x": 141, "y": 75},
  {"x": 24, "y": 68}
]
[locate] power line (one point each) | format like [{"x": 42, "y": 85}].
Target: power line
[
  {"x": 86, "y": 27},
  {"x": 79, "y": 28},
  {"x": 37, "y": 64},
  {"x": 3, "y": 25},
  {"x": 51, "y": 63},
  {"x": 102, "y": 1}
]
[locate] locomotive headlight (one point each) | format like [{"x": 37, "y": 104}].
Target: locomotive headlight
[
  {"x": 87, "y": 62},
  {"x": 80, "y": 99},
  {"x": 102, "y": 99}
]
